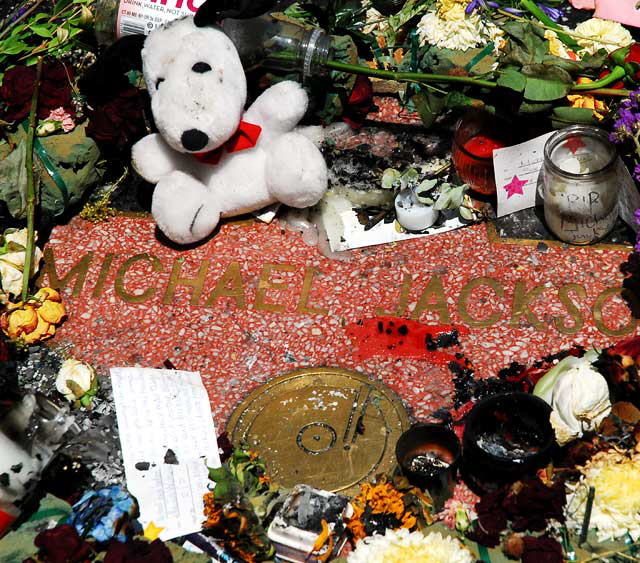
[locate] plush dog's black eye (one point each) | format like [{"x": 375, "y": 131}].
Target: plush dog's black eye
[
  {"x": 158, "y": 82},
  {"x": 201, "y": 67}
]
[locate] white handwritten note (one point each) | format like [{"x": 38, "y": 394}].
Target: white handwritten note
[
  {"x": 168, "y": 439},
  {"x": 516, "y": 170}
]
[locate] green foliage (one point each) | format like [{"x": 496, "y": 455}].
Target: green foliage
[
  {"x": 45, "y": 34},
  {"x": 565, "y": 116}
]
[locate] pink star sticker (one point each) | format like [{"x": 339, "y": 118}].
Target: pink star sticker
[{"x": 514, "y": 187}]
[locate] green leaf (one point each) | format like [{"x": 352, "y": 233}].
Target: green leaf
[
  {"x": 466, "y": 214},
  {"x": 564, "y": 116},
  {"x": 43, "y": 30},
  {"x": 390, "y": 179},
  {"x": 13, "y": 47},
  {"x": 512, "y": 79},
  {"x": 546, "y": 83},
  {"x": 429, "y": 105}
]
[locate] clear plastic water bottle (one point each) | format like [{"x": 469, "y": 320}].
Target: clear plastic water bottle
[{"x": 262, "y": 41}]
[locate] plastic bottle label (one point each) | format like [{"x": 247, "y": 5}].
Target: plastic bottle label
[{"x": 143, "y": 16}]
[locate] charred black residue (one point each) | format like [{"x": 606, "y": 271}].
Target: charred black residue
[{"x": 170, "y": 457}]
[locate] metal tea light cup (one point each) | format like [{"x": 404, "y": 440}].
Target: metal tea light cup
[
  {"x": 580, "y": 184},
  {"x": 428, "y": 456}
]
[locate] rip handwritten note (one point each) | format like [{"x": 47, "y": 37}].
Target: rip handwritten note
[
  {"x": 168, "y": 439},
  {"x": 516, "y": 170}
]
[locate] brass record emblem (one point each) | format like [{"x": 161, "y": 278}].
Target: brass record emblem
[{"x": 330, "y": 428}]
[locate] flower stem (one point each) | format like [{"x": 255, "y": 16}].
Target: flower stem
[
  {"x": 617, "y": 73},
  {"x": 533, "y": 8},
  {"x": 408, "y": 76},
  {"x": 31, "y": 189}
]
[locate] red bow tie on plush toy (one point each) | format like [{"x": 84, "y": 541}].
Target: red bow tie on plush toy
[{"x": 245, "y": 137}]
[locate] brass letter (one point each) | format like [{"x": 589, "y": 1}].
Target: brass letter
[
  {"x": 629, "y": 328},
  {"x": 404, "y": 299},
  {"x": 304, "y": 295},
  {"x": 232, "y": 277},
  {"x": 434, "y": 288},
  {"x": 466, "y": 317},
  {"x": 521, "y": 301},
  {"x": 175, "y": 280},
  {"x": 572, "y": 309},
  {"x": 121, "y": 292},
  {"x": 78, "y": 271},
  {"x": 102, "y": 276},
  {"x": 265, "y": 283}
]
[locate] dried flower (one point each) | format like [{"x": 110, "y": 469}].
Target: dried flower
[
  {"x": 138, "y": 551},
  {"x": 616, "y": 506},
  {"x": 34, "y": 320},
  {"x": 120, "y": 121},
  {"x": 12, "y": 257},
  {"x": 401, "y": 546},
  {"x": 55, "y": 90},
  {"x": 457, "y": 515},
  {"x": 381, "y": 506},
  {"x": 77, "y": 381},
  {"x": 588, "y": 101},
  {"x": 61, "y": 545}
]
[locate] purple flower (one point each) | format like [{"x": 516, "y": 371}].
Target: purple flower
[
  {"x": 554, "y": 13},
  {"x": 636, "y": 176},
  {"x": 474, "y": 4}
]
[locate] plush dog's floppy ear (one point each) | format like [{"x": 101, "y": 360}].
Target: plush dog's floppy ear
[{"x": 214, "y": 11}]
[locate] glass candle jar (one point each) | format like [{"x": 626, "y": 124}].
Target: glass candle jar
[
  {"x": 476, "y": 135},
  {"x": 580, "y": 184}
]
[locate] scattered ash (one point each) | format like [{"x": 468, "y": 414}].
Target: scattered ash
[
  {"x": 428, "y": 464},
  {"x": 500, "y": 447},
  {"x": 307, "y": 509},
  {"x": 97, "y": 446}
]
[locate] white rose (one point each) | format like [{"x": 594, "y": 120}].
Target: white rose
[
  {"x": 580, "y": 401},
  {"x": 12, "y": 263},
  {"x": 74, "y": 379}
]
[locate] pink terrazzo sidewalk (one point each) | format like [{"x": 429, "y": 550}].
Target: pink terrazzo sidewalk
[{"x": 264, "y": 303}]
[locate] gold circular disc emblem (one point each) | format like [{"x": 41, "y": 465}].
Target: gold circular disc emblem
[{"x": 330, "y": 428}]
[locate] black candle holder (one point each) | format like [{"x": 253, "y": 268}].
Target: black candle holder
[
  {"x": 429, "y": 456},
  {"x": 506, "y": 437}
]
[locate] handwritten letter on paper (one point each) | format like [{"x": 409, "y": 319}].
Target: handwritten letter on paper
[
  {"x": 516, "y": 170},
  {"x": 168, "y": 439}
]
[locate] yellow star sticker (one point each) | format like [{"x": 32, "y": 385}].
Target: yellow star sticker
[{"x": 151, "y": 532}]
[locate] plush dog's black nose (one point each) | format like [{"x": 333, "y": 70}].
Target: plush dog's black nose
[{"x": 194, "y": 140}]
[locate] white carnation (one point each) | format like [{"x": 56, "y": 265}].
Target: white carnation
[
  {"x": 602, "y": 34},
  {"x": 457, "y": 34}
]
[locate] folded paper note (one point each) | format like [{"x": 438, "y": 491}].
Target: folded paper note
[{"x": 168, "y": 439}]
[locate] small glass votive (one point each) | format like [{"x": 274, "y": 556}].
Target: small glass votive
[
  {"x": 580, "y": 184},
  {"x": 476, "y": 135},
  {"x": 429, "y": 455}
]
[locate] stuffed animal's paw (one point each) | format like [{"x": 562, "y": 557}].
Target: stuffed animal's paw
[
  {"x": 296, "y": 171},
  {"x": 184, "y": 209},
  {"x": 152, "y": 158},
  {"x": 280, "y": 107}
]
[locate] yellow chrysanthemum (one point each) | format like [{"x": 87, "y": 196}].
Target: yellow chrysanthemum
[
  {"x": 616, "y": 506},
  {"x": 402, "y": 546}
]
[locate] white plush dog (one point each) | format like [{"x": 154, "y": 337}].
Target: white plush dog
[{"x": 204, "y": 160}]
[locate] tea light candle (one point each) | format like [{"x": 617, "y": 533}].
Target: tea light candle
[{"x": 412, "y": 214}]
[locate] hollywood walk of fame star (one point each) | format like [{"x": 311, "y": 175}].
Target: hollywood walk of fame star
[
  {"x": 574, "y": 143},
  {"x": 514, "y": 187}
]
